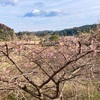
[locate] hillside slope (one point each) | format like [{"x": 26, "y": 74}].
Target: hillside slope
[
  {"x": 64, "y": 32},
  {"x": 6, "y": 33}
]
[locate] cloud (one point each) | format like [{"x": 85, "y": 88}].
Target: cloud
[
  {"x": 8, "y": 2},
  {"x": 44, "y": 13}
]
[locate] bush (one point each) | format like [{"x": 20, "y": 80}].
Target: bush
[{"x": 54, "y": 38}]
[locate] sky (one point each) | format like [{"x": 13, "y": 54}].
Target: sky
[{"x": 38, "y": 15}]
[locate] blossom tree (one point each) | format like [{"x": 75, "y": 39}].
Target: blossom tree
[{"x": 42, "y": 72}]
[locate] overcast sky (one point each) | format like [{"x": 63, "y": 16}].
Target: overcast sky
[{"x": 36, "y": 15}]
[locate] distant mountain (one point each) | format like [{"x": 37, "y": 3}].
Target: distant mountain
[
  {"x": 65, "y": 32},
  {"x": 77, "y": 30},
  {"x": 6, "y": 33}
]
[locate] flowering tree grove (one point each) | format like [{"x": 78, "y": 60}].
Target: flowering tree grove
[{"x": 42, "y": 72}]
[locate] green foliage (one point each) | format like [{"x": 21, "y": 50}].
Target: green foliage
[
  {"x": 3, "y": 36},
  {"x": 6, "y": 35},
  {"x": 98, "y": 37},
  {"x": 54, "y": 38},
  {"x": 96, "y": 96},
  {"x": 11, "y": 35},
  {"x": 10, "y": 97}
]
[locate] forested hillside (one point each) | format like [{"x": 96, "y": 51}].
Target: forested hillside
[
  {"x": 65, "y": 32},
  {"x": 6, "y": 33}
]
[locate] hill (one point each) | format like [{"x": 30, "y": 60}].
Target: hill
[
  {"x": 70, "y": 31},
  {"x": 78, "y": 30},
  {"x": 65, "y": 32},
  {"x": 6, "y": 33}
]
